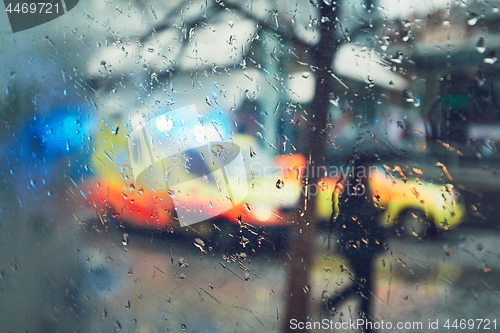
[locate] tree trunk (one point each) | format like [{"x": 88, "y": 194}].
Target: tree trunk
[{"x": 302, "y": 241}]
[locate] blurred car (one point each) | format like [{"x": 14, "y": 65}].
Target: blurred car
[{"x": 275, "y": 184}]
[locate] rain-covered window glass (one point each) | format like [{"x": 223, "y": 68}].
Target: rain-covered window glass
[{"x": 249, "y": 166}]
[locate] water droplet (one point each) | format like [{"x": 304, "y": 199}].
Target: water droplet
[
  {"x": 305, "y": 75},
  {"x": 125, "y": 239},
  {"x": 417, "y": 171},
  {"x": 480, "y": 79},
  {"x": 333, "y": 99},
  {"x": 280, "y": 183},
  {"x": 208, "y": 101},
  {"x": 182, "y": 263},
  {"x": 407, "y": 36},
  {"x": 408, "y": 95},
  {"x": 244, "y": 241},
  {"x": 398, "y": 57},
  {"x": 325, "y": 19},
  {"x": 481, "y": 45},
  {"x": 492, "y": 145},
  {"x": 217, "y": 150},
  {"x": 252, "y": 152},
  {"x": 182, "y": 276},
  {"x": 325, "y": 296},
  {"x": 491, "y": 58},
  {"x": 385, "y": 41},
  {"x": 306, "y": 289},
  {"x": 473, "y": 17},
  {"x": 401, "y": 124},
  {"x": 183, "y": 327},
  {"x": 480, "y": 247},
  {"x": 199, "y": 243}
]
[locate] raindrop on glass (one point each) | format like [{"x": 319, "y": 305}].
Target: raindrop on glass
[
  {"x": 217, "y": 150},
  {"x": 182, "y": 263},
  {"x": 244, "y": 241},
  {"x": 473, "y": 17},
  {"x": 199, "y": 243},
  {"x": 481, "y": 45},
  {"x": 410, "y": 98},
  {"x": 252, "y": 152},
  {"x": 401, "y": 124},
  {"x": 407, "y": 36},
  {"x": 333, "y": 99},
  {"x": 491, "y": 58},
  {"x": 398, "y": 57},
  {"x": 385, "y": 41},
  {"x": 480, "y": 79},
  {"x": 208, "y": 101},
  {"x": 125, "y": 239}
]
